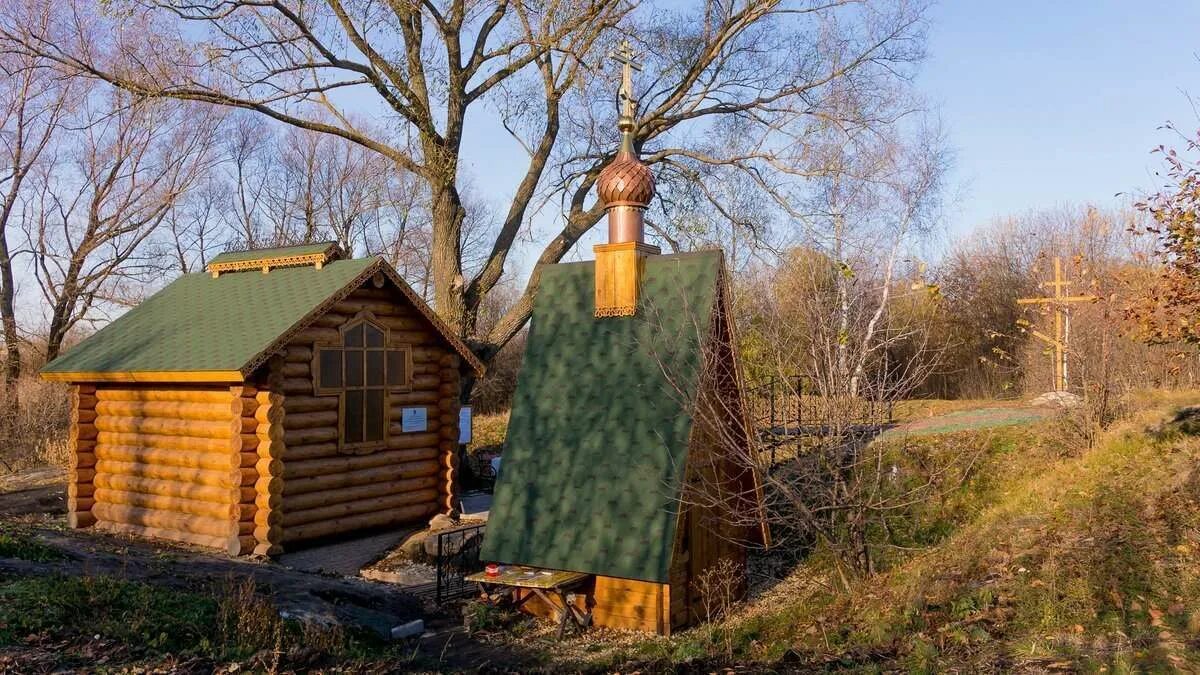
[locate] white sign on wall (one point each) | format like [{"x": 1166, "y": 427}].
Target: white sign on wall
[
  {"x": 464, "y": 425},
  {"x": 413, "y": 419}
]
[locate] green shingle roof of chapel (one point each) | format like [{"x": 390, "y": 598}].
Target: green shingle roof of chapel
[
  {"x": 223, "y": 327},
  {"x": 600, "y": 424}
]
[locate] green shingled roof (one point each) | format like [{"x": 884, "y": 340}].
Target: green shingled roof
[
  {"x": 601, "y": 419},
  {"x": 199, "y": 323}
]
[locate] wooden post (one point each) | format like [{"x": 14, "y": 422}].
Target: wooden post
[{"x": 1060, "y": 301}]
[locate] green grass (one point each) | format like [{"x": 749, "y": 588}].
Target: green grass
[
  {"x": 19, "y": 545},
  {"x": 138, "y": 621}
]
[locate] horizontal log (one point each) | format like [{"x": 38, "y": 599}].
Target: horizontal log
[
  {"x": 334, "y": 465},
  {"x": 194, "y": 459},
  {"x": 301, "y": 404},
  {"x": 294, "y": 517},
  {"x": 84, "y": 401},
  {"x": 81, "y": 489},
  {"x": 82, "y": 415},
  {"x": 80, "y": 519},
  {"x": 310, "y": 420},
  {"x": 228, "y": 544},
  {"x": 218, "y": 494},
  {"x": 375, "y": 474},
  {"x": 191, "y": 395},
  {"x": 221, "y": 446},
  {"x": 192, "y": 507},
  {"x": 295, "y": 385},
  {"x": 380, "y": 307},
  {"x": 402, "y": 441},
  {"x": 80, "y": 504},
  {"x": 313, "y": 334},
  {"x": 313, "y": 451},
  {"x": 329, "y": 320},
  {"x": 309, "y": 436},
  {"x": 271, "y": 448},
  {"x": 178, "y": 410},
  {"x": 83, "y": 388},
  {"x": 359, "y": 492},
  {"x": 412, "y": 398},
  {"x": 298, "y": 354},
  {"x": 269, "y": 500},
  {"x": 116, "y": 461},
  {"x": 84, "y": 432},
  {"x": 399, "y": 333},
  {"x": 82, "y": 460},
  {"x": 180, "y": 522},
  {"x": 81, "y": 475},
  {"x": 425, "y": 382},
  {"x": 452, "y": 360},
  {"x": 403, "y": 514},
  {"x": 295, "y": 370},
  {"x": 170, "y": 427}
]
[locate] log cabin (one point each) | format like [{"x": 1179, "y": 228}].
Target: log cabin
[
  {"x": 626, "y": 452},
  {"x": 281, "y": 396}
]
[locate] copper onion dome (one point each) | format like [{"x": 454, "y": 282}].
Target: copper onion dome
[{"x": 626, "y": 181}]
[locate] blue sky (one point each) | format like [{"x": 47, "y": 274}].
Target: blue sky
[{"x": 1054, "y": 102}]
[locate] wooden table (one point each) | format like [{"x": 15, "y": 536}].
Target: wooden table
[{"x": 548, "y": 585}]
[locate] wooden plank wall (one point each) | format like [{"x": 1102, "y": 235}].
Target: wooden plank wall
[
  {"x": 618, "y": 603},
  {"x": 174, "y": 463},
  {"x": 326, "y": 492}
]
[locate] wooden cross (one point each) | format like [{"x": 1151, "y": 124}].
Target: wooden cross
[
  {"x": 625, "y": 56},
  {"x": 1062, "y": 321}
]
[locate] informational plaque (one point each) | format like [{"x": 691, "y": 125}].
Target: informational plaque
[
  {"x": 413, "y": 419},
  {"x": 464, "y": 425}
]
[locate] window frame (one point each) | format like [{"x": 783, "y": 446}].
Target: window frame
[{"x": 389, "y": 345}]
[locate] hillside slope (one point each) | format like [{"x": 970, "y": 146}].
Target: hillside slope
[{"x": 1041, "y": 559}]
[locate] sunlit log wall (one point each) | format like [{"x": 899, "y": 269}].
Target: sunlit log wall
[
  {"x": 176, "y": 463},
  {"x": 327, "y": 492}
]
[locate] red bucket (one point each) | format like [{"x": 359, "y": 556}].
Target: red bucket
[{"x": 492, "y": 570}]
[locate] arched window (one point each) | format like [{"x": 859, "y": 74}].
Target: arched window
[{"x": 362, "y": 370}]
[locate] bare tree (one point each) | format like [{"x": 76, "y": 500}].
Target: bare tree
[
  {"x": 91, "y": 212},
  {"x": 33, "y": 101},
  {"x": 763, "y": 71}
]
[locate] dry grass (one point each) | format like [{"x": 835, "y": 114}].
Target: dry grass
[
  {"x": 33, "y": 432},
  {"x": 489, "y": 432}
]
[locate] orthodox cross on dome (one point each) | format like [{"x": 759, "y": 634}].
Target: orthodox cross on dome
[{"x": 626, "y": 104}]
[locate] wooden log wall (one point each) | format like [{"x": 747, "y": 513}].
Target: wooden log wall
[
  {"x": 325, "y": 491},
  {"x": 81, "y": 472},
  {"x": 176, "y": 463}
]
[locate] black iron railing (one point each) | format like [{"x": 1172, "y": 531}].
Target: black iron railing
[{"x": 457, "y": 556}]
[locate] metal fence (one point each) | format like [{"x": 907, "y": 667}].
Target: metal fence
[{"x": 457, "y": 556}]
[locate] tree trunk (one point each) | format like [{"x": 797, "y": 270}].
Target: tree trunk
[{"x": 446, "y": 258}]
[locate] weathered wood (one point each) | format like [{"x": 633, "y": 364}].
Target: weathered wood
[
  {"x": 377, "y": 519},
  {"x": 191, "y": 395},
  {"x": 353, "y": 493},
  {"x": 295, "y": 385},
  {"x": 298, "y": 354},
  {"x": 80, "y": 459},
  {"x": 181, "y": 522},
  {"x": 183, "y": 410},
  {"x": 80, "y": 489},
  {"x": 82, "y": 416},
  {"x": 295, "y": 370},
  {"x": 309, "y": 436},
  {"x": 303, "y": 404},
  {"x": 80, "y": 519},
  {"x": 294, "y": 517},
  {"x": 311, "y": 420},
  {"x": 375, "y": 474},
  {"x": 314, "y": 451},
  {"x": 312, "y": 335},
  {"x": 398, "y": 400},
  {"x": 335, "y": 465},
  {"x": 402, "y": 441},
  {"x": 84, "y": 432}
]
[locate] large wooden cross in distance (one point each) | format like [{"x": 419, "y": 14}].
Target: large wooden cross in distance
[{"x": 1062, "y": 321}]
